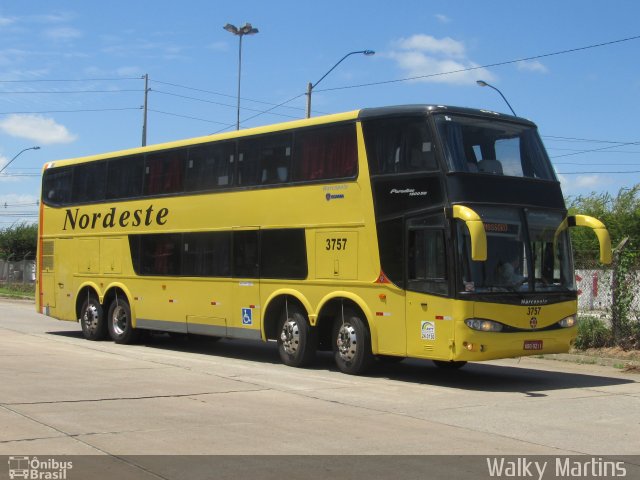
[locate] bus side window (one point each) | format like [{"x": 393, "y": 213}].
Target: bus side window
[
  {"x": 325, "y": 153},
  {"x": 160, "y": 254},
  {"x": 245, "y": 254},
  {"x": 206, "y": 254},
  {"x": 210, "y": 166},
  {"x": 264, "y": 160},
  {"x": 56, "y": 189},
  {"x": 164, "y": 172},
  {"x": 283, "y": 254},
  {"x": 427, "y": 270},
  {"x": 124, "y": 177},
  {"x": 89, "y": 182},
  {"x": 399, "y": 146}
]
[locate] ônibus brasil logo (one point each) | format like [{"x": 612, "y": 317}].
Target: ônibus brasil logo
[{"x": 32, "y": 468}]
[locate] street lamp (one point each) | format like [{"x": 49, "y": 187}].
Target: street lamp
[
  {"x": 247, "y": 29},
  {"x": 17, "y": 155},
  {"x": 482, "y": 83},
  {"x": 311, "y": 86}
]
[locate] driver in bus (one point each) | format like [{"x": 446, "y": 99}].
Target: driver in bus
[{"x": 508, "y": 272}]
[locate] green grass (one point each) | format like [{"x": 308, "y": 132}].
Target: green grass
[{"x": 18, "y": 291}]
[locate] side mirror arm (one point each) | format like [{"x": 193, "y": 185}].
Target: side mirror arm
[{"x": 477, "y": 233}]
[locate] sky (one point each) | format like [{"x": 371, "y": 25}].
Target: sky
[{"x": 71, "y": 74}]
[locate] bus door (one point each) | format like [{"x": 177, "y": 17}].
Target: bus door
[
  {"x": 64, "y": 267},
  {"x": 246, "y": 309},
  {"x": 430, "y": 323}
]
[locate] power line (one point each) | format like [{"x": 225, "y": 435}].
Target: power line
[
  {"x": 261, "y": 113},
  {"x": 222, "y": 104},
  {"x": 599, "y": 164},
  {"x": 72, "y": 80},
  {"x": 52, "y": 92},
  {"x": 19, "y": 204},
  {"x": 596, "y": 149},
  {"x": 574, "y": 139},
  {"x": 633, "y": 152},
  {"x": 489, "y": 65},
  {"x": 74, "y": 111},
  {"x": 5, "y": 175},
  {"x": 591, "y": 173},
  {"x": 225, "y": 95},
  {"x": 186, "y": 116}
]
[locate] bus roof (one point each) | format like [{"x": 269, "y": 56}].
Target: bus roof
[
  {"x": 420, "y": 109},
  {"x": 365, "y": 113}
]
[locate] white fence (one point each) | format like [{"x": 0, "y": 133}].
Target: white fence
[
  {"x": 18, "y": 271},
  {"x": 594, "y": 290}
]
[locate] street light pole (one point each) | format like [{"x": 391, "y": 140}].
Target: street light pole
[
  {"x": 311, "y": 86},
  {"x": 247, "y": 29},
  {"x": 17, "y": 155},
  {"x": 482, "y": 83}
]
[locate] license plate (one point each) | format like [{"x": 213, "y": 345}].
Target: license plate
[{"x": 533, "y": 344}]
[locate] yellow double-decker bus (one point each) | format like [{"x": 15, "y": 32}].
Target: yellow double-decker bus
[{"x": 411, "y": 231}]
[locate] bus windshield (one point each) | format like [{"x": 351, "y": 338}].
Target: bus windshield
[
  {"x": 526, "y": 252},
  {"x": 490, "y": 146}
]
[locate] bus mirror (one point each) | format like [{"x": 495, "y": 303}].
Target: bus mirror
[
  {"x": 599, "y": 229},
  {"x": 476, "y": 230}
]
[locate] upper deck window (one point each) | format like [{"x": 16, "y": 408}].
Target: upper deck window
[
  {"x": 325, "y": 153},
  {"x": 399, "y": 145},
  {"x": 164, "y": 172},
  {"x": 479, "y": 145}
]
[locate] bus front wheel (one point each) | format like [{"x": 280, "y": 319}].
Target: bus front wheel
[
  {"x": 119, "y": 322},
  {"x": 297, "y": 340},
  {"x": 92, "y": 321},
  {"x": 352, "y": 344}
]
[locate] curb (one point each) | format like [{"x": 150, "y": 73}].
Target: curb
[{"x": 619, "y": 363}]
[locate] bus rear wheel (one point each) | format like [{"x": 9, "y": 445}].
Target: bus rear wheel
[
  {"x": 297, "y": 340},
  {"x": 351, "y": 344},
  {"x": 92, "y": 320},
  {"x": 119, "y": 322}
]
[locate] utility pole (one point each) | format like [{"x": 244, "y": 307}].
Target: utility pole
[{"x": 144, "y": 114}]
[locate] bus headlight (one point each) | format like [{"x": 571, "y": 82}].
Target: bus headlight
[
  {"x": 483, "y": 325},
  {"x": 568, "y": 322}
]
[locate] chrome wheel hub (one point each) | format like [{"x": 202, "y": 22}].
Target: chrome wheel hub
[
  {"x": 119, "y": 320},
  {"x": 347, "y": 342},
  {"x": 90, "y": 318},
  {"x": 290, "y": 337}
]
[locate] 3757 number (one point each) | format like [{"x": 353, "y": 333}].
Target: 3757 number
[{"x": 336, "y": 244}]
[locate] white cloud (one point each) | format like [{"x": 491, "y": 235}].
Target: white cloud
[
  {"x": 580, "y": 184},
  {"x": 6, "y": 21},
  {"x": 439, "y": 46},
  {"x": 218, "y": 46},
  {"x": 441, "y": 60},
  {"x": 129, "y": 71},
  {"x": 442, "y": 18},
  {"x": 36, "y": 127},
  {"x": 532, "y": 66},
  {"x": 63, "y": 34}
]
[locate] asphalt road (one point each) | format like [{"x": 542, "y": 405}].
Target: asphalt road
[{"x": 63, "y": 395}]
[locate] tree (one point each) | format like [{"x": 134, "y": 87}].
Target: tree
[
  {"x": 19, "y": 240},
  {"x": 619, "y": 213}
]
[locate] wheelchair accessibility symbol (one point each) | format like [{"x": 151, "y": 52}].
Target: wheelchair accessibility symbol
[{"x": 247, "y": 316}]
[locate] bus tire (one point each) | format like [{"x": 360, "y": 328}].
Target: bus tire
[
  {"x": 92, "y": 320},
  {"x": 119, "y": 322},
  {"x": 297, "y": 340},
  {"x": 352, "y": 344},
  {"x": 449, "y": 364}
]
